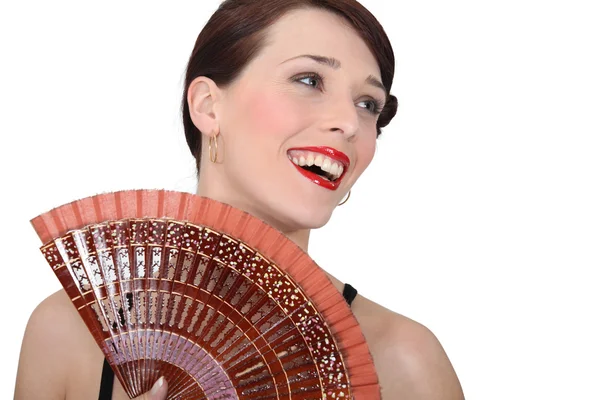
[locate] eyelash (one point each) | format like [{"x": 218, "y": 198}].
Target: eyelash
[{"x": 377, "y": 106}]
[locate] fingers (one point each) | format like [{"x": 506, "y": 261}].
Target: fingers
[{"x": 158, "y": 391}]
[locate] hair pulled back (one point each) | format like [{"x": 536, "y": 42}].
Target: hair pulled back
[{"x": 235, "y": 33}]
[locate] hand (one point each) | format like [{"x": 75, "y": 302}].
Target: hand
[{"x": 158, "y": 391}]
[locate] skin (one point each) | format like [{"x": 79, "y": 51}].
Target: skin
[{"x": 269, "y": 109}]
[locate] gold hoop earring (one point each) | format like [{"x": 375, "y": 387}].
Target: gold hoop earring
[
  {"x": 347, "y": 197},
  {"x": 213, "y": 154}
]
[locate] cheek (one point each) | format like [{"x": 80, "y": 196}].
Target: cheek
[
  {"x": 271, "y": 114},
  {"x": 365, "y": 153}
]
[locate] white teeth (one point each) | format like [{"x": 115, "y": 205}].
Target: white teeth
[
  {"x": 336, "y": 170},
  {"x": 319, "y": 161},
  {"x": 333, "y": 169}
]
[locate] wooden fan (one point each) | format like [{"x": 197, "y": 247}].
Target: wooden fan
[{"x": 215, "y": 300}]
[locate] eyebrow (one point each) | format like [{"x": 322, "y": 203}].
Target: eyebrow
[{"x": 336, "y": 64}]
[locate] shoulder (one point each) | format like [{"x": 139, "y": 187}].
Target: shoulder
[
  {"x": 53, "y": 337},
  {"x": 53, "y": 309},
  {"x": 409, "y": 358},
  {"x": 54, "y": 321}
]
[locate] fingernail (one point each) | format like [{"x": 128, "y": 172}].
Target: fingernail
[{"x": 157, "y": 385}]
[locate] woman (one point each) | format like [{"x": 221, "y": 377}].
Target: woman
[{"x": 282, "y": 106}]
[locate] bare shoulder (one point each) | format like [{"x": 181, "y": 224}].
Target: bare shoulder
[
  {"x": 55, "y": 336},
  {"x": 410, "y": 360}
]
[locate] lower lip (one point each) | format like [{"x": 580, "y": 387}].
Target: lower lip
[{"x": 319, "y": 180}]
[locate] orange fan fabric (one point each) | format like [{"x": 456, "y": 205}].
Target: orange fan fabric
[{"x": 218, "y": 302}]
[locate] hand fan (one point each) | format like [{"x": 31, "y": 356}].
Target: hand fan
[{"x": 218, "y": 302}]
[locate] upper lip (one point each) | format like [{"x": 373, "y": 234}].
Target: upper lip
[{"x": 329, "y": 152}]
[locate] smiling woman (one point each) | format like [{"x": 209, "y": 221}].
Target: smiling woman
[
  {"x": 271, "y": 77},
  {"x": 282, "y": 107}
]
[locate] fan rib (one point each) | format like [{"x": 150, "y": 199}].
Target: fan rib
[{"x": 327, "y": 303}]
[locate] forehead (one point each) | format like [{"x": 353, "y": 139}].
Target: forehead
[{"x": 319, "y": 32}]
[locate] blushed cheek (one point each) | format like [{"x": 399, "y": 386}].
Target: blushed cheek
[{"x": 273, "y": 114}]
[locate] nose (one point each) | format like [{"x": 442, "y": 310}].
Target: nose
[{"x": 341, "y": 116}]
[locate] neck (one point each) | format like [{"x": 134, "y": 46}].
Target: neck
[{"x": 300, "y": 237}]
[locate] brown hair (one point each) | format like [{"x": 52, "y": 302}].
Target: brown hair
[{"x": 234, "y": 35}]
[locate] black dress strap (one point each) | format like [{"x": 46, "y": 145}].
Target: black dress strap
[
  {"x": 106, "y": 384},
  {"x": 349, "y": 293}
]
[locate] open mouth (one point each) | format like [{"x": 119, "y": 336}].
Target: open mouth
[
  {"x": 320, "y": 172},
  {"x": 319, "y": 166}
]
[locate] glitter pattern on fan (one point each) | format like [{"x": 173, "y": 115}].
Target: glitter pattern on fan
[{"x": 218, "y": 316}]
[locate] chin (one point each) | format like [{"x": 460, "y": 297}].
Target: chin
[
  {"x": 306, "y": 217},
  {"x": 288, "y": 214}
]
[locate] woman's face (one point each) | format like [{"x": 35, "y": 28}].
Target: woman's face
[{"x": 311, "y": 96}]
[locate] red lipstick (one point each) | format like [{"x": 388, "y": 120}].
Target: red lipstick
[{"x": 331, "y": 153}]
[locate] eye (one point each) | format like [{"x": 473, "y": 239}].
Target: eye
[
  {"x": 315, "y": 80},
  {"x": 310, "y": 79},
  {"x": 373, "y": 106}
]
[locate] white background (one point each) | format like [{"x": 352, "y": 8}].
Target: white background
[{"x": 479, "y": 216}]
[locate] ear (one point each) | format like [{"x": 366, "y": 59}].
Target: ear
[{"x": 202, "y": 97}]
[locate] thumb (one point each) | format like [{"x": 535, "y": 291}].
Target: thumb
[{"x": 158, "y": 391}]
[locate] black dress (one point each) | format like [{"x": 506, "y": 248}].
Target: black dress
[{"x": 108, "y": 376}]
